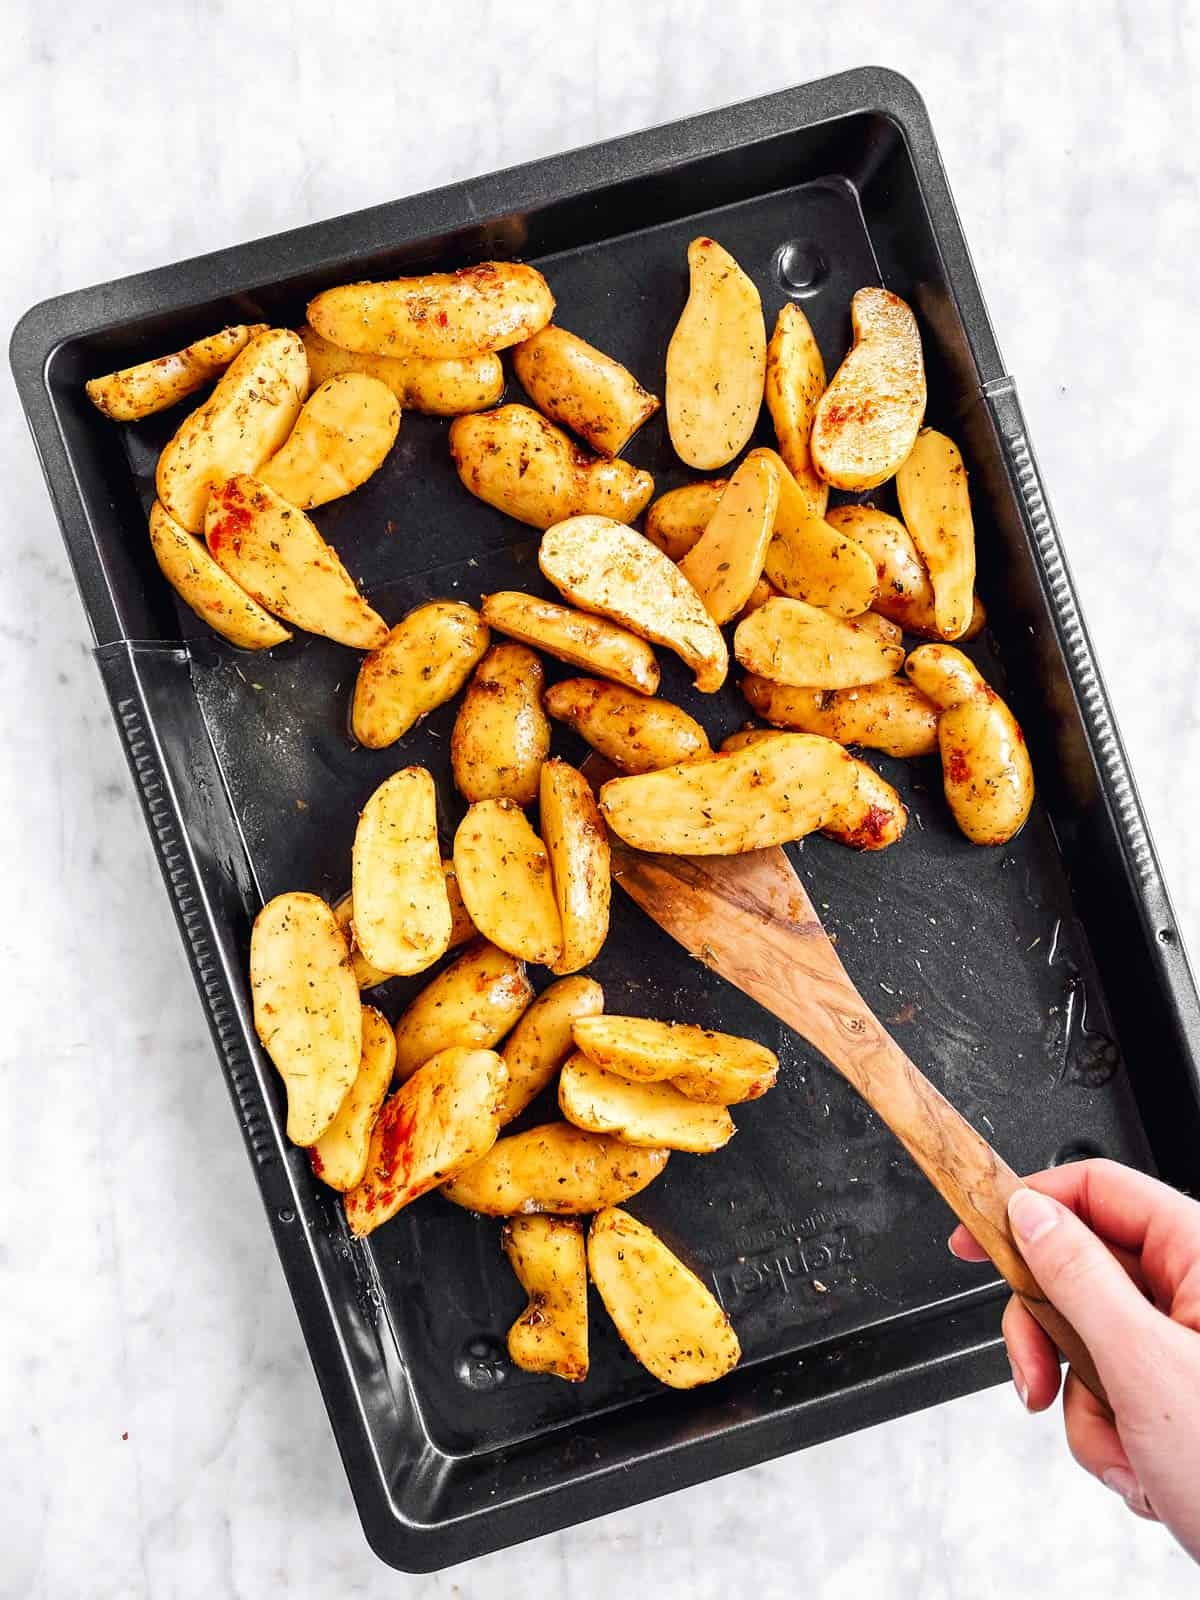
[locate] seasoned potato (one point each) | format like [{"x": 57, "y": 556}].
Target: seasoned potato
[
  {"x": 501, "y": 734},
  {"x": 672, "y": 1324},
  {"x": 306, "y": 1008},
  {"x": 636, "y": 732},
  {"x": 807, "y": 559},
  {"x": 892, "y": 716},
  {"x": 151, "y": 386},
  {"x": 207, "y": 588},
  {"x": 461, "y": 926},
  {"x": 556, "y": 1168},
  {"x": 241, "y": 424},
  {"x": 401, "y": 908},
  {"x": 475, "y": 1002},
  {"x": 587, "y": 391},
  {"x": 789, "y": 641},
  {"x": 443, "y": 388},
  {"x": 575, "y": 637},
  {"x": 442, "y": 314},
  {"x": 606, "y": 567},
  {"x": 577, "y": 845},
  {"x": 273, "y": 551},
  {"x": 653, "y": 1114},
  {"x": 675, "y": 521},
  {"x": 541, "y": 1040},
  {"x": 365, "y": 975},
  {"x": 423, "y": 662},
  {"x": 936, "y": 506},
  {"x": 344, "y": 430},
  {"x": 762, "y": 591},
  {"x": 726, "y": 563},
  {"x": 515, "y": 460},
  {"x": 339, "y": 1157},
  {"x": 866, "y": 421},
  {"x": 795, "y": 382},
  {"x": 716, "y": 360},
  {"x": 905, "y": 592},
  {"x": 986, "y": 771},
  {"x": 437, "y": 1124},
  {"x": 724, "y": 1083},
  {"x": 705, "y": 1065},
  {"x": 873, "y": 815},
  {"x": 550, "y": 1261},
  {"x": 503, "y": 872}
]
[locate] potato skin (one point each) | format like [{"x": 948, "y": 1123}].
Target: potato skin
[
  {"x": 577, "y": 843},
  {"x": 150, "y": 386},
  {"x": 719, "y": 1068},
  {"x": 474, "y": 1001},
  {"x": 549, "y": 1257},
  {"x": 892, "y": 716},
  {"x": 807, "y": 558},
  {"x": 590, "y": 393},
  {"x": 573, "y": 636},
  {"x": 727, "y": 561},
  {"x": 935, "y": 502},
  {"x": 867, "y": 815},
  {"x": 345, "y": 429},
  {"x": 557, "y": 1168},
  {"x": 515, "y": 460},
  {"x": 657, "y": 1116},
  {"x": 501, "y": 734},
  {"x": 207, "y": 589},
  {"x": 905, "y": 592},
  {"x": 867, "y": 420},
  {"x": 791, "y": 642},
  {"x": 795, "y": 382},
  {"x": 675, "y": 521},
  {"x": 445, "y": 388},
  {"x": 636, "y": 732},
  {"x": 541, "y": 1040},
  {"x": 339, "y": 1157},
  {"x": 423, "y": 662},
  {"x": 716, "y": 360}
]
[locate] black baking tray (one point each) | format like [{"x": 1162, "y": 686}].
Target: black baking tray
[{"x": 1042, "y": 985}]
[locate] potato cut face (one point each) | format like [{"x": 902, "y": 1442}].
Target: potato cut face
[
  {"x": 808, "y": 559},
  {"x": 139, "y": 391},
  {"x": 657, "y": 1115},
  {"x": 727, "y": 562},
  {"x": 936, "y": 505},
  {"x": 549, "y": 1258},
  {"x": 541, "y": 1040},
  {"x": 474, "y": 1001},
  {"x": 401, "y": 908},
  {"x": 442, "y": 388},
  {"x": 339, "y": 1157},
  {"x": 344, "y": 430},
  {"x": 645, "y": 1050},
  {"x": 581, "y": 640},
  {"x": 795, "y": 382},
  {"x": 892, "y": 715},
  {"x": 636, "y": 732},
  {"x": 306, "y": 1008},
  {"x": 501, "y": 734},
  {"x": 792, "y": 642},
  {"x": 556, "y": 1168},
  {"x": 867, "y": 420},
  {"x": 584, "y": 389},
  {"x": 207, "y": 588},
  {"x": 577, "y": 844},
  {"x": 675, "y": 521},
  {"x": 504, "y": 877},
  {"x": 423, "y": 662},
  {"x": 716, "y": 360}
]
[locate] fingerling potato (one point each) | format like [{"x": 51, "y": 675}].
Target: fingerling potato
[
  {"x": 892, "y": 715},
  {"x": 339, "y": 1157},
  {"x": 365, "y": 975},
  {"x": 867, "y": 420},
  {"x": 727, "y": 561},
  {"x": 671, "y": 1323},
  {"x": 936, "y": 505},
  {"x": 587, "y": 391},
  {"x": 575, "y": 637},
  {"x": 503, "y": 873},
  {"x": 795, "y": 382},
  {"x": 675, "y": 521},
  {"x": 474, "y": 1001},
  {"x": 501, "y": 734},
  {"x": 442, "y": 388},
  {"x": 306, "y": 1008},
  {"x": 439, "y": 315},
  {"x": 207, "y": 589},
  {"x": 556, "y": 1167},
  {"x": 577, "y": 844},
  {"x": 636, "y": 732},
  {"x": 791, "y": 642},
  {"x": 515, "y": 460},
  {"x": 273, "y": 551},
  {"x": 344, "y": 430},
  {"x": 423, "y": 662},
  {"x": 653, "y": 1114},
  {"x": 905, "y": 592},
  {"x": 701, "y": 1063},
  {"x": 872, "y": 817},
  {"x": 606, "y": 567},
  {"x": 541, "y": 1040},
  {"x": 762, "y": 591},
  {"x": 807, "y": 559},
  {"x": 716, "y": 360},
  {"x": 242, "y": 423},
  {"x": 461, "y": 926},
  {"x": 139, "y": 391},
  {"x": 401, "y": 908},
  {"x": 550, "y": 1260},
  {"x": 437, "y": 1124}
]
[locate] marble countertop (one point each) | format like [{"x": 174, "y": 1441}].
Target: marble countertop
[{"x": 163, "y": 1431}]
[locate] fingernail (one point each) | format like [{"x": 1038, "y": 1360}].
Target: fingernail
[
  {"x": 1031, "y": 1214},
  {"x": 1019, "y": 1383},
  {"x": 1121, "y": 1481}
]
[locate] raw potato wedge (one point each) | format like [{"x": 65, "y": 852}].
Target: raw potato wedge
[
  {"x": 401, "y": 908},
  {"x": 442, "y": 314},
  {"x": 672, "y": 1324},
  {"x": 792, "y": 642},
  {"x": 306, "y": 1008},
  {"x": 550, "y": 1260},
  {"x": 727, "y": 562},
  {"x": 986, "y": 771},
  {"x": 339, "y": 1157},
  {"x": 636, "y": 732},
  {"x": 475, "y": 1002},
  {"x": 365, "y": 975},
  {"x": 342, "y": 434},
  {"x": 276, "y": 554},
  {"x": 515, "y": 460},
  {"x": 423, "y": 662},
  {"x": 139, "y": 391},
  {"x": 606, "y": 567},
  {"x": 716, "y": 360},
  {"x": 574, "y": 637},
  {"x": 795, "y": 382},
  {"x": 541, "y": 1041},
  {"x": 587, "y": 391},
  {"x": 892, "y": 715},
  {"x": 501, "y": 734},
  {"x": 577, "y": 844},
  {"x": 207, "y": 589},
  {"x": 675, "y": 521},
  {"x": 936, "y": 506},
  {"x": 867, "y": 420},
  {"x": 241, "y": 424},
  {"x": 905, "y": 592},
  {"x": 503, "y": 872},
  {"x": 555, "y": 1168},
  {"x": 808, "y": 559},
  {"x": 445, "y": 388},
  {"x": 437, "y": 1124},
  {"x": 719, "y": 1068},
  {"x": 653, "y": 1114}
]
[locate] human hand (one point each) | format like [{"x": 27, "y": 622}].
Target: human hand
[{"x": 1119, "y": 1254}]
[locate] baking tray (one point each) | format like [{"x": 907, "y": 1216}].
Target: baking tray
[{"x": 1042, "y": 985}]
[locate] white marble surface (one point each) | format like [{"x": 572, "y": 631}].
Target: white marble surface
[{"x": 162, "y": 1431}]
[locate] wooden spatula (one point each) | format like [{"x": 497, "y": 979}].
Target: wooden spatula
[{"x": 750, "y": 919}]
